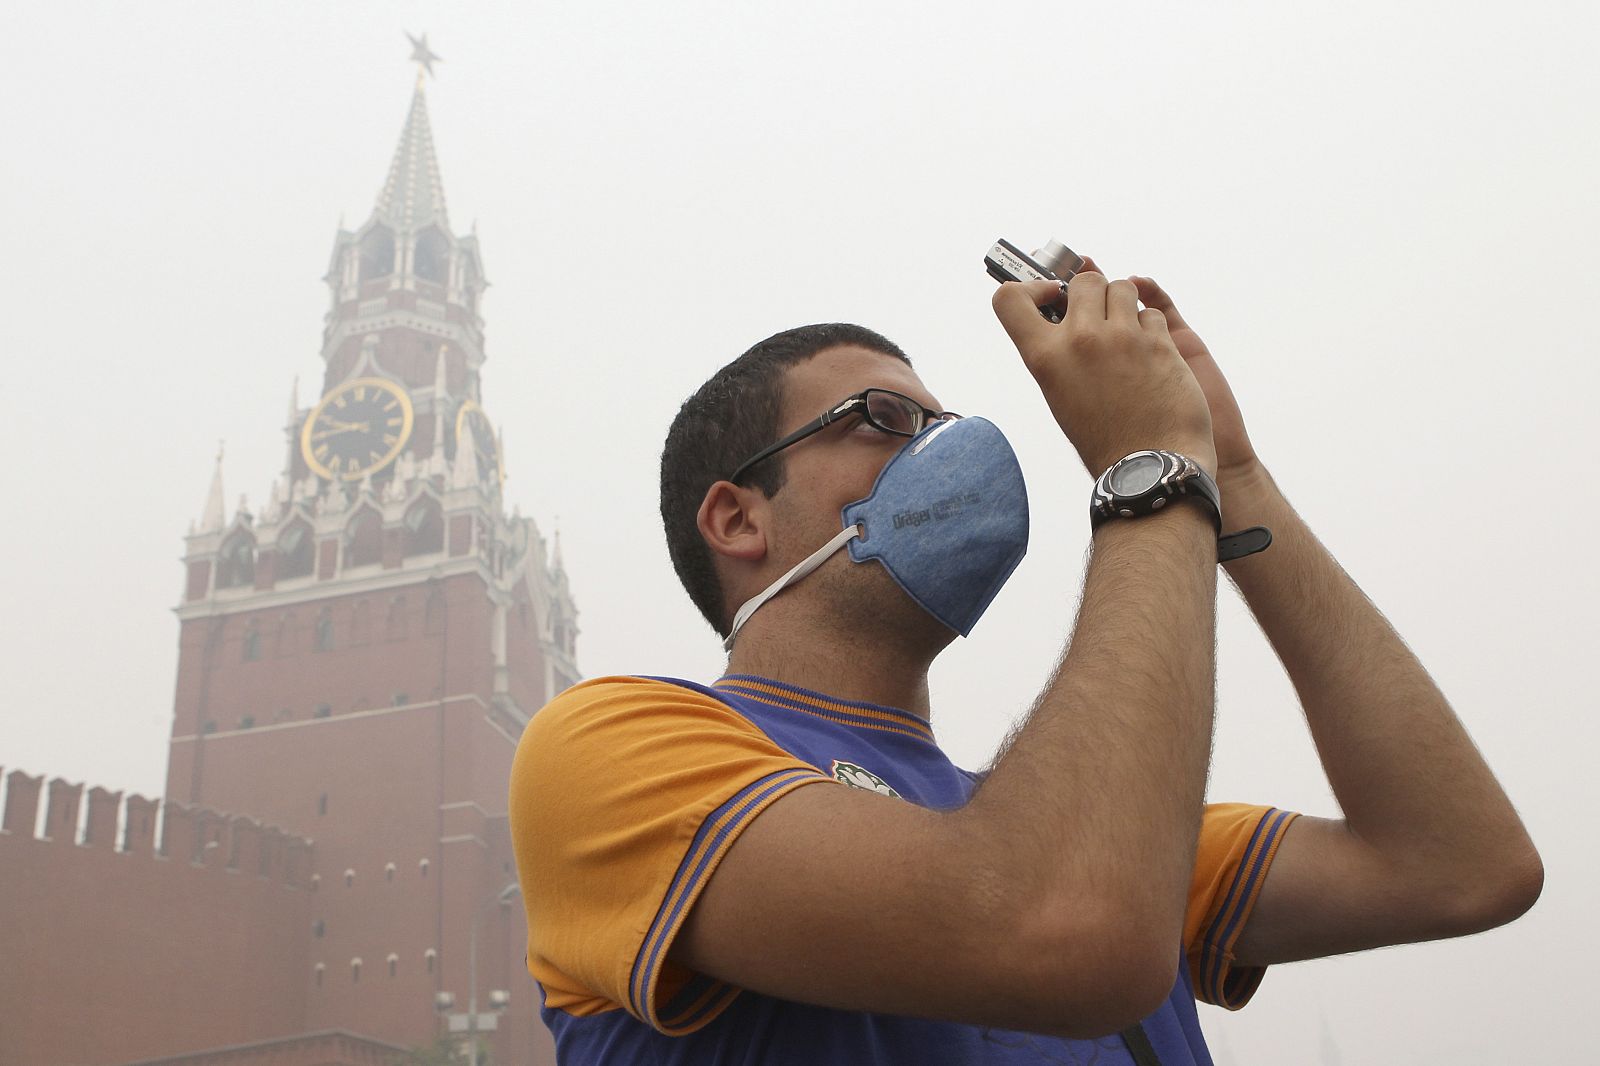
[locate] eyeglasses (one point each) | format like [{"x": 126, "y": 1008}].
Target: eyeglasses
[{"x": 888, "y": 411}]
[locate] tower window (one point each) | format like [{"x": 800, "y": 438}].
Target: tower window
[
  {"x": 247, "y": 722},
  {"x": 295, "y": 552},
  {"x": 424, "y": 529},
  {"x": 252, "y": 641},
  {"x": 318, "y": 928},
  {"x": 322, "y": 805},
  {"x": 324, "y": 640},
  {"x": 432, "y": 259},
  {"x": 377, "y": 253},
  {"x": 363, "y": 539},
  {"x": 317, "y": 973},
  {"x": 394, "y": 964},
  {"x": 322, "y": 711},
  {"x": 422, "y": 867},
  {"x": 388, "y": 872},
  {"x": 349, "y": 879},
  {"x": 355, "y": 969},
  {"x": 429, "y": 957},
  {"x": 236, "y": 566}
]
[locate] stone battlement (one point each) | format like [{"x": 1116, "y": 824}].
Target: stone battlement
[{"x": 128, "y": 824}]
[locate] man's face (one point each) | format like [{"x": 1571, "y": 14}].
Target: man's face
[
  {"x": 834, "y": 467},
  {"x": 839, "y": 464}
]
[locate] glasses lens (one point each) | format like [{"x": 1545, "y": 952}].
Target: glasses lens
[{"x": 894, "y": 413}]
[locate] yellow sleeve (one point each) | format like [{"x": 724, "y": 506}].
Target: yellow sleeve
[
  {"x": 1237, "y": 843},
  {"x": 625, "y": 794}
]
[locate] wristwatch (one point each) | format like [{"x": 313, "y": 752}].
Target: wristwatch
[{"x": 1142, "y": 483}]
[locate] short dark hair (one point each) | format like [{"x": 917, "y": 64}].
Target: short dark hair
[{"x": 728, "y": 419}]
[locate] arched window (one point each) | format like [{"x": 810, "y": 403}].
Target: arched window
[
  {"x": 252, "y": 641},
  {"x": 363, "y": 539},
  {"x": 394, "y": 963},
  {"x": 237, "y": 564},
  {"x": 361, "y": 622},
  {"x": 296, "y": 553},
  {"x": 288, "y": 638},
  {"x": 355, "y": 969},
  {"x": 324, "y": 637},
  {"x": 394, "y": 626},
  {"x": 430, "y": 957},
  {"x": 424, "y": 528},
  {"x": 377, "y": 253},
  {"x": 432, "y": 259},
  {"x": 318, "y": 971}
]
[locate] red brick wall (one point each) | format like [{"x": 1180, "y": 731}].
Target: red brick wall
[{"x": 115, "y": 956}]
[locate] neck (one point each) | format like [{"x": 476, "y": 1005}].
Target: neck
[{"x": 837, "y": 662}]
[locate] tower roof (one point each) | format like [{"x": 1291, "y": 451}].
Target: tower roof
[{"x": 413, "y": 195}]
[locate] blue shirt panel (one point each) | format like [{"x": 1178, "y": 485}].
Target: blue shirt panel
[{"x": 757, "y": 1030}]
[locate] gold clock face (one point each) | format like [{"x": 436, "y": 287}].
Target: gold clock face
[
  {"x": 491, "y": 467},
  {"x": 356, "y": 429}
]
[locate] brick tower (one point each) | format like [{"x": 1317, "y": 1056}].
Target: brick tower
[{"x": 357, "y": 660}]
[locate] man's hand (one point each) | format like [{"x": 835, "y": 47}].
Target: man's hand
[
  {"x": 1112, "y": 375},
  {"x": 1236, "y": 457}
]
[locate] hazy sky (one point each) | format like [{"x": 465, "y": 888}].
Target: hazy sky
[{"x": 1383, "y": 218}]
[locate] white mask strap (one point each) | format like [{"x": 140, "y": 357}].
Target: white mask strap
[{"x": 801, "y": 569}]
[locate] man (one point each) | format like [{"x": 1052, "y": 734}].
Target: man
[{"x": 691, "y": 899}]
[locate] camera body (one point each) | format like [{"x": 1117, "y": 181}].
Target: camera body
[{"x": 1054, "y": 262}]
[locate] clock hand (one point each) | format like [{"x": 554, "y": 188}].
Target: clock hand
[{"x": 345, "y": 427}]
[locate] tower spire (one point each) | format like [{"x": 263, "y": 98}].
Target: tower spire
[
  {"x": 212, "y": 518},
  {"x": 413, "y": 195}
]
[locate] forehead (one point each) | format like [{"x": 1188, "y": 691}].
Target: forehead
[{"x": 832, "y": 374}]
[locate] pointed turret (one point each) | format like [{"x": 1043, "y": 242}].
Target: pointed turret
[
  {"x": 414, "y": 196},
  {"x": 212, "y": 518}
]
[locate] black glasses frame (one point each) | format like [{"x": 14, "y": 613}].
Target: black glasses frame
[{"x": 843, "y": 409}]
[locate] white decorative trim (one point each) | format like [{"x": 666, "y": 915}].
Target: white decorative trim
[
  {"x": 234, "y": 601},
  {"x": 345, "y": 717}
]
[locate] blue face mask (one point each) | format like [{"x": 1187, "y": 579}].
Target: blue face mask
[{"x": 947, "y": 517}]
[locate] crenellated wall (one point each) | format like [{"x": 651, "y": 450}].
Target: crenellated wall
[{"x": 191, "y": 920}]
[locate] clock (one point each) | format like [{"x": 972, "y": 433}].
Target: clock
[
  {"x": 356, "y": 429},
  {"x": 484, "y": 444}
]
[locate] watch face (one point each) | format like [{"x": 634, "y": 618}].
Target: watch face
[
  {"x": 356, "y": 429},
  {"x": 1136, "y": 476},
  {"x": 485, "y": 449}
]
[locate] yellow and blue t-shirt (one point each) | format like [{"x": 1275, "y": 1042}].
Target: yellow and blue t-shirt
[{"x": 627, "y": 791}]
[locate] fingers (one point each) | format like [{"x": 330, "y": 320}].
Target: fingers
[
  {"x": 1122, "y": 303},
  {"x": 1016, "y": 305},
  {"x": 1154, "y": 296}
]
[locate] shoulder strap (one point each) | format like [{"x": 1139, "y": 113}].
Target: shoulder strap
[{"x": 1139, "y": 1044}]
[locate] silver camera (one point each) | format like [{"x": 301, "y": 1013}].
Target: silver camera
[{"x": 1054, "y": 262}]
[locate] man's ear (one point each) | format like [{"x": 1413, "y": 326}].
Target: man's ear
[{"x": 732, "y": 521}]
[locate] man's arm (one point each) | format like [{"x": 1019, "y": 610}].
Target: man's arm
[
  {"x": 1054, "y": 900},
  {"x": 1429, "y": 845}
]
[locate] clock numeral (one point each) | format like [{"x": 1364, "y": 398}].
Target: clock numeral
[
  {"x": 392, "y": 404},
  {"x": 395, "y": 421},
  {"x": 342, "y": 402},
  {"x": 361, "y": 392},
  {"x": 390, "y": 439},
  {"x": 322, "y": 452},
  {"x": 351, "y": 466}
]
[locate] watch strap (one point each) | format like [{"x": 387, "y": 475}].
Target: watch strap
[{"x": 1245, "y": 542}]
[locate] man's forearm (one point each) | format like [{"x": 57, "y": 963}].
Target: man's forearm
[
  {"x": 1103, "y": 785},
  {"x": 1406, "y": 774}
]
